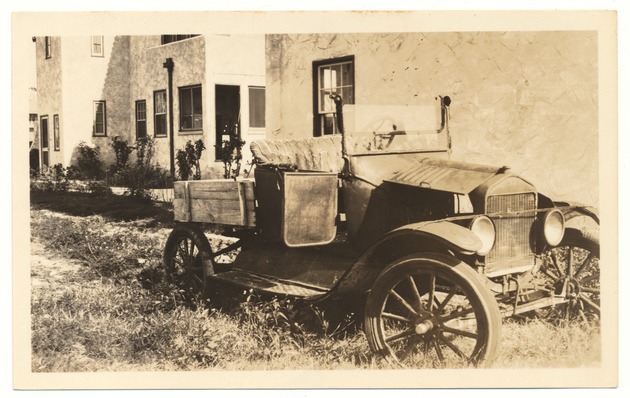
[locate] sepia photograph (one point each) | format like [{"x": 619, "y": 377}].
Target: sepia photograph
[{"x": 315, "y": 199}]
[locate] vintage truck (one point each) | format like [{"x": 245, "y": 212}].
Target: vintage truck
[{"x": 437, "y": 250}]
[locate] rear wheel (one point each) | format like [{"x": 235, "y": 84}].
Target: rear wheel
[
  {"x": 432, "y": 312},
  {"x": 188, "y": 260}
]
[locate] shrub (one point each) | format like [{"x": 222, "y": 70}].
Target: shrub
[
  {"x": 143, "y": 174},
  {"x": 89, "y": 162},
  {"x": 122, "y": 150},
  {"x": 53, "y": 179},
  {"x": 231, "y": 156},
  {"x": 188, "y": 160}
]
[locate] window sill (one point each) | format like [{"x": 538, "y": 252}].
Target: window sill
[
  {"x": 160, "y": 136},
  {"x": 190, "y": 132}
]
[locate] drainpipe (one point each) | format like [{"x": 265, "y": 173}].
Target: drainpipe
[{"x": 169, "y": 65}]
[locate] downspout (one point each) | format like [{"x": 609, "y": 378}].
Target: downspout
[{"x": 169, "y": 65}]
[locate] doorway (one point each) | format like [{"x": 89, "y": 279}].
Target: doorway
[{"x": 228, "y": 114}]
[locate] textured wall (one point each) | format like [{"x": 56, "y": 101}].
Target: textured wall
[
  {"x": 83, "y": 83},
  {"x": 524, "y": 99},
  {"x": 49, "y": 99},
  {"x": 148, "y": 75}
]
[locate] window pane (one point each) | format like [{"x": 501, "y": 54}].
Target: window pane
[
  {"x": 257, "y": 107},
  {"x": 185, "y": 102},
  {"x": 44, "y": 128},
  {"x": 347, "y": 73},
  {"x": 328, "y": 124},
  {"x": 336, "y": 75},
  {"x": 56, "y": 132},
  {"x": 347, "y": 95},
  {"x": 160, "y": 125},
  {"x": 324, "y": 77},
  {"x": 160, "y": 102},
  {"x": 196, "y": 94},
  {"x": 187, "y": 122}
]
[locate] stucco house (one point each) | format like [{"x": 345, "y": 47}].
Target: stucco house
[
  {"x": 93, "y": 88},
  {"x": 528, "y": 100}
]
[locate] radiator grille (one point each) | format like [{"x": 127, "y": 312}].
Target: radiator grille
[{"x": 514, "y": 242}]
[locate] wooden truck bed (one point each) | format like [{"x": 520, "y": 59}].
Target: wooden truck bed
[{"x": 215, "y": 201}]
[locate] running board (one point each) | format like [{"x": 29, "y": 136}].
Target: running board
[{"x": 268, "y": 285}]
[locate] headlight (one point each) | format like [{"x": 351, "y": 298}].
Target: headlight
[
  {"x": 553, "y": 227},
  {"x": 483, "y": 227}
]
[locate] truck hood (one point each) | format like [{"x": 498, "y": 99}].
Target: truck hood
[{"x": 445, "y": 175}]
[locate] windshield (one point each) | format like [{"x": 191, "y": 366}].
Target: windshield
[{"x": 372, "y": 129}]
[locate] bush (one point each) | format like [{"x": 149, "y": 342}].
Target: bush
[
  {"x": 188, "y": 160},
  {"x": 122, "y": 150},
  {"x": 143, "y": 174},
  {"x": 89, "y": 162},
  {"x": 53, "y": 179},
  {"x": 231, "y": 156}
]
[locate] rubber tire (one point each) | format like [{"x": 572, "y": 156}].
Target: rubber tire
[
  {"x": 204, "y": 259},
  {"x": 485, "y": 305}
]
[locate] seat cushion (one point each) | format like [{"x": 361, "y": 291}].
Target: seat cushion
[{"x": 310, "y": 154}]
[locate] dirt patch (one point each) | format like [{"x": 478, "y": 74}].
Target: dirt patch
[{"x": 49, "y": 271}]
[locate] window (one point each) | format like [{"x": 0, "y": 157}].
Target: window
[
  {"x": 44, "y": 128},
  {"x": 97, "y": 46},
  {"x": 56, "y": 132},
  {"x": 159, "y": 110},
  {"x": 190, "y": 110},
  {"x": 47, "y": 47},
  {"x": 141, "y": 119},
  {"x": 257, "y": 107},
  {"x": 173, "y": 38},
  {"x": 100, "y": 119},
  {"x": 44, "y": 140},
  {"x": 335, "y": 76}
]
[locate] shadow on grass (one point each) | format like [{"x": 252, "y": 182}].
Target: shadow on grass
[{"x": 113, "y": 207}]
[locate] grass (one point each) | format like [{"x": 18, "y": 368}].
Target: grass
[{"x": 100, "y": 303}]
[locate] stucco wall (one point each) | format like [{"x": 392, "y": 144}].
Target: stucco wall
[
  {"x": 148, "y": 75},
  {"x": 523, "y": 99},
  {"x": 84, "y": 79},
  {"x": 49, "y": 99}
]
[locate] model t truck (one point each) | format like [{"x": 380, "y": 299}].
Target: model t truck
[{"x": 439, "y": 251}]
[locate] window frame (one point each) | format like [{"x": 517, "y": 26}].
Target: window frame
[
  {"x": 100, "y": 54},
  {"x": 317, "y": 115},
  {"x": 94, "y": 115},
  {"x": 181, "y": 91},
  {"x": 47, "y": 47},
  {"x": 156, "y": 114},
  {"x": 138, "y": 120},
  {"x": 56, "y": 134},
  {"x": 264, "y": 110}
]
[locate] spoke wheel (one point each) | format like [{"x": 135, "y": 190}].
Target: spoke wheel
[
  {"x": 571, "y": 272},
  {"x": 432, "y": 312},
  {"x": 186, "y": 253}
]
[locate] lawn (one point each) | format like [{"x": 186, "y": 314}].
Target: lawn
[{"x": 100, "y": 303}]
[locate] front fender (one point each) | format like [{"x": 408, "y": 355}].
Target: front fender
[{"x": 441, "y": 237}]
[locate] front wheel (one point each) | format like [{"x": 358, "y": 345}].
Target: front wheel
[
  {"x": 571, "y": 272},
  {"x": 188, "y": 259},
  {"x": 432, "y": 311}
]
